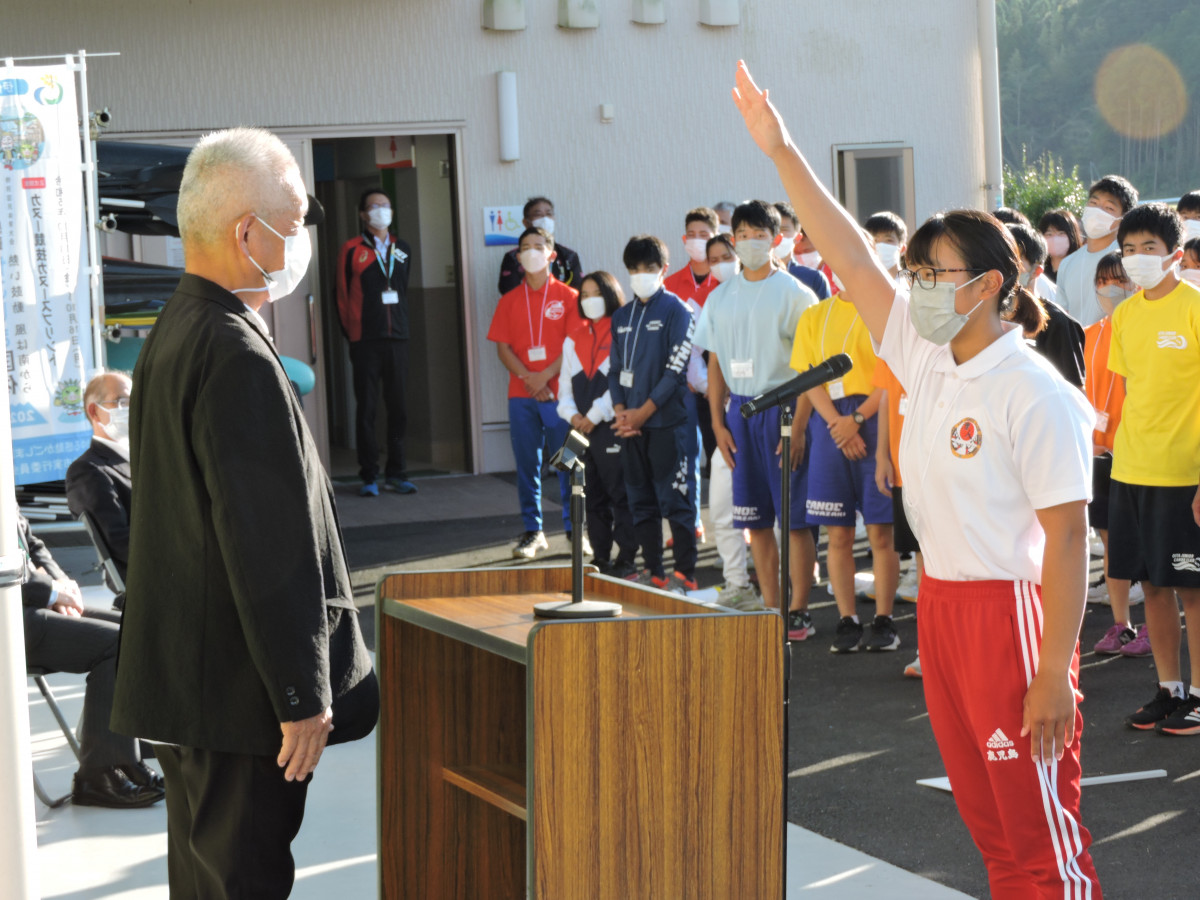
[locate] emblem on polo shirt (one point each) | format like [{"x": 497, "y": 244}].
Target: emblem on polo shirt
[
  {"x": 965, "y": 439},
  {"x": 555, "y": 311},
  {"x": 362, "y": 257}
]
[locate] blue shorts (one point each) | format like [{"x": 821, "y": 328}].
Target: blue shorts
[
  {"x": 757, "y": 476},
  {"x": 837, "y": 486}
]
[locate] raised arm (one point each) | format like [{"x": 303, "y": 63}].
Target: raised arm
[{"x": 827, "y": 224}]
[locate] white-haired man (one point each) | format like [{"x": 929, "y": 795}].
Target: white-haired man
[{"x": 240, "y": 623}]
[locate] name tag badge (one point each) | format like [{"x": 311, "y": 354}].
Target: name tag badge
[
  {"x": 903, "y": 404},
  {"x": 837, "y": 390},
  {"x": 626, "y": 378},
  {"x": 537, "y": 354},
  {"x": 390, "y": 298},
  {"x": 743, "y": 368},
  {"x": 1101, "y": 421}
]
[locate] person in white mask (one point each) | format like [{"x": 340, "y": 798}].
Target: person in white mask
[
  {"x": 1063, "y": 237},
  {"x": 1004, "y": 535},
  {"x": 1154, "y": 502},
  {"x": 1188, "y": 208},
  {"x": 372, "y": 297},
  {"x": 538, "y": 212},
  {"x": 784, "y": 252},
  {"x": 241, "y": 652},
  {"x": 99, "y": 482},
  {"x": 1109, "y": 199},
  {"x": 1189, "y": 266},
  {"x": 724, "y": 211}
]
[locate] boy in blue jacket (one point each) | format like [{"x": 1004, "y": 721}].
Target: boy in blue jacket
[{"x": 647, "y": 379}]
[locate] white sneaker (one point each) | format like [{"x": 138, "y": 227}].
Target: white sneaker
[
  {"x": 1095, "y": 544},
  {"x": 860, "y": 528},
  {"x": 1136, "y": 595},
  {"x": 864, "y": 584},
  {"x": 913, "y": 669},
  {"x": 1099, "y": 594},
  {"x": 746, "y": 599},
  {"x": 906, "y": 590}
]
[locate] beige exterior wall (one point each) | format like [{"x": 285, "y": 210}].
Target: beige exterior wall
[{"x": 842, "y": 73}]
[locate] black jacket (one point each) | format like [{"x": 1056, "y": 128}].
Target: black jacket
[
  {"x": 41, "y": 571},
  {"x": 239, "y": 613},
  {"x": 99, "y": 483},
  {"x": 1061, "y": 342}
]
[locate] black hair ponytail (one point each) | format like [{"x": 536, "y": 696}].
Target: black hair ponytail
[{"x": 1027, "y": 310}]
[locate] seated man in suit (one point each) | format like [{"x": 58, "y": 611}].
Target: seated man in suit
[
  {"x": 99, "y": 483},
  {"x": 64, "y": 636}
]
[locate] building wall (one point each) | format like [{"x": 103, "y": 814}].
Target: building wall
[{"x": 841, "y": 73}]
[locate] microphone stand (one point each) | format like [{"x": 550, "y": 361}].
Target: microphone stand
[{"x": 785, "y": 596}]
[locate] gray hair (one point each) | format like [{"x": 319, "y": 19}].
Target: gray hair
[
  {"x": 724, "y": 206},
  {"x": 231, "y": 173},
  {"x": 98, "y": 390}
]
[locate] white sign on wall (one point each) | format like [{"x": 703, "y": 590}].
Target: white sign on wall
[
  {"x": 47, "y": 304},
  {"x": 502, "y": 225}
]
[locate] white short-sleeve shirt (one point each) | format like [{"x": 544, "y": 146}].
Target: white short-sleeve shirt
[{"x": 984, "y": 445}]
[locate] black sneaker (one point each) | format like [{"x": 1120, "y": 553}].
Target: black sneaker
[
  {"x": 848, "y": 635},
  {"x": 529, "y": 545},
  {"x": 621, "y": 569},
  {"x": 800, "y": 625},
  {"x": 881, "y": 635},
  {"x": 1161, "y": 707},
  {"x": 1185, "y": 719}
]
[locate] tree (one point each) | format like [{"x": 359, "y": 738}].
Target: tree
[{"x": 1044, "y": 185}]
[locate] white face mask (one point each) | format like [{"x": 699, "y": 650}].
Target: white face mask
[
  {"x": 889, "y": 255},
  {"x": 783, "y": 250},
  {"x": 297, "y": 253},
  {"x": 1026, "y": 280},
  {"x": 812, "y": 259},
  {"x": 645, "y": 284},
  {"x": 533, "y": 260},
  {"x": 545, "y": 223},
  {"x": 1192, "y": 276},
  {"x": 753, "y": 254},
  {"x": 696, "y": 249},
  {"x": 932, "y": 312},
  {"x": 117, "y": 428},
  {"x": 1057, "y": 244},
  {"x": 1113, "y": 292},
  {"x": 724, "y": 229},
  {"x": 726, "y": 270},
  {"x": 1145, "y": 269},
  {"x": 1097, "y": 223},
  {"x": 1191, "y": 229},
  {"x": 379, "y": 217},
  {"x": 593, "y": 307}
]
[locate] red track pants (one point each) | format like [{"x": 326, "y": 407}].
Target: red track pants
[{"x": 979, "y": 645}]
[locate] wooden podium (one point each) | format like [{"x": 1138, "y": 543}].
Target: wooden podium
[{"x": 632, "y": 758}]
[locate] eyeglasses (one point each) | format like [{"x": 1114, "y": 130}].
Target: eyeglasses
[
  {"x": 122, "y": 403},
  {"x": 926, "y": 276}
]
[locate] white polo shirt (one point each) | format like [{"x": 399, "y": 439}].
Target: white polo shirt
[{"x": 984, "y": 445}]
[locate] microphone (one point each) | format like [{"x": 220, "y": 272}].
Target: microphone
[{"x": 834, "y": 367}]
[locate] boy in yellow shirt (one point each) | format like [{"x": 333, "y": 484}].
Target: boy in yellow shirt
[{"x": 1154, "y": 521}]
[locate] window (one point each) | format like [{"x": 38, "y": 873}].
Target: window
[{"x": 869, "y": 178}]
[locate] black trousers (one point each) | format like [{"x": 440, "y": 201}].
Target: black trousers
[
  {"x": 657, "y": 487},
  {"x": 608, "y": 516},
  {"x": 380, "y": 365},
  {"x": 231, "y": 819},
  {"x": 84, "y": 644}
]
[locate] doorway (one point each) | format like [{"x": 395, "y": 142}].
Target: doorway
[{"x": 417, "y": 172}]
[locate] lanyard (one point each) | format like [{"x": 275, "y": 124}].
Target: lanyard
[
  {"x": 1092, "y": 368},
  {"x": 391, "y": 258},
  {"x": 627, "y": 355},
  {"x": 529, "y": 313},
  {"x": 846, "y": 339}
]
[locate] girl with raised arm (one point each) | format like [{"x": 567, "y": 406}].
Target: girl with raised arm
[{"x": 996, "y": 454}]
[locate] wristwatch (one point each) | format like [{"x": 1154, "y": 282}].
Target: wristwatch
[{"x": 858, "y": 417}]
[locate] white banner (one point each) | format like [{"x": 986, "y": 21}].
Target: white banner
[{"x": 47, "y": 303}]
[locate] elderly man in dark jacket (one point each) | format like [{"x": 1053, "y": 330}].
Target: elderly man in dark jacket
[{"x": 240, "y": 647}]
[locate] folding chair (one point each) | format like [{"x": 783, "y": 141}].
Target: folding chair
[
  {"x": 104, "y": 552},
  {"x": 39, "y": 677}
]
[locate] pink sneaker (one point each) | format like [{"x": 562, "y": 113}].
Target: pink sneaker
[
  {"x": 1140, "y": 645},
  {"x": 1114, "y": 639}
]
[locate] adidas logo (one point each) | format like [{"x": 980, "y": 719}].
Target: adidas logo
[{"x": 999, "y": 740}]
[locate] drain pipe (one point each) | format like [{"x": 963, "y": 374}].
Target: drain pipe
[{"x": 989, "y": 64}]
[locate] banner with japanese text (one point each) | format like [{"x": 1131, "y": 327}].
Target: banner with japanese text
[{"x": 47, "y": 301}]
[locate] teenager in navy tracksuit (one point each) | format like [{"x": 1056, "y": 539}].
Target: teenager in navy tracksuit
[
  {"x": 651, "y": 345},
  {"x": 585, "y": 403}
]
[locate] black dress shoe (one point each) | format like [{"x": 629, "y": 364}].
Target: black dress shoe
[
  {"x": 142, "y": 775},
  {"x": 111, "y": 788}
]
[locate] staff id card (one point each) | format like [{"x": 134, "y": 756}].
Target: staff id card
[
  {"x": 742, "y": 368},
  {"x": 1101, "y": 421},
  {"x": 390, "y": 298},
  {"x": 626, "y": 378},
  {"x": 837, "y": 390},
  {"x": 903, "y": 405},
  {"x": 537, "y": 354}
]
